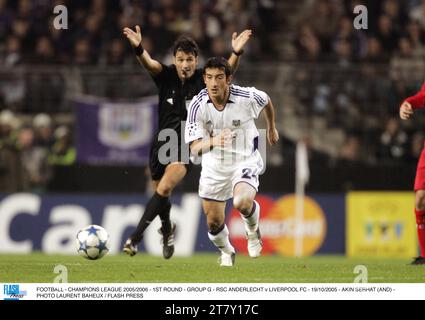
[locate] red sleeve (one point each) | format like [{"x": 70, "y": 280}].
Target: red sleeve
[{"x": 418, "y": 101}]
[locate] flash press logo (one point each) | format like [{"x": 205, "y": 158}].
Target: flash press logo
[{"x": 13, "y": 292}]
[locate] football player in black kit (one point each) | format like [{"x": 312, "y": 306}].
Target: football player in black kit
[{"x": 177, "y": 84}]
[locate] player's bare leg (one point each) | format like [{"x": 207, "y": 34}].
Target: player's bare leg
[
  {"x": 159, "y": 204},
  {"x": 420, "y": 222},
  {"x": 243, "y": 201},
  {"x": 174, "y": 174},
  {"x": 218, "y": 232}
]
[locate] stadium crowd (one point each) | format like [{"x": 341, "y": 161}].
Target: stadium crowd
[
  {"x": 94, "y": 34},
  {"x": 356, "y": 79},
  {"x": 29, "y": 148},
  {"x": 33, "y": 51}
]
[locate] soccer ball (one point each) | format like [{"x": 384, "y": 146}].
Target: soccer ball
[{"x": 92, "y": 242}]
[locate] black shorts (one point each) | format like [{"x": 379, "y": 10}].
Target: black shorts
[{"x": 157, "y": 166}]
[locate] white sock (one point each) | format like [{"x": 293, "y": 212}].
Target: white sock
[
  {"x": 221, "y": 240},
  {"x": 251, "y": 223}
]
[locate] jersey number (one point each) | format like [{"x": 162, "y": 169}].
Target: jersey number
[{"x": 247, "y": 173}]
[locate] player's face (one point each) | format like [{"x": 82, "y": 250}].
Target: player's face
[
  {"x": 216, "y": 82},
  {"x": 186, "y": 64}
]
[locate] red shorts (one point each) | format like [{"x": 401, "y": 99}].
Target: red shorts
[{"x": 420, "y": 173}]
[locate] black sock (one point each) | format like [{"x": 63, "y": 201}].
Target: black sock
[
  {"x": 155, "y": 205},
  {"x": 164, "y": 214},
  {"x": 217, "y": 231},
  {"x": 254, "y": 206}
]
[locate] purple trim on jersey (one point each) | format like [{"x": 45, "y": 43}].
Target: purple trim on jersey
[
  {"x": 255, "y": 142},
  {"x": 198, "y": 100},
  {"x": 240, "y": 90},
  {"x": 239, "y": 93},
  {"x": 259, "y": 103},
  {"x": 263, "y": 102},
  {"x": 243, "y": 181},
  {"x": 193, "y": 112},
  {"x": 200, "y": 96}
]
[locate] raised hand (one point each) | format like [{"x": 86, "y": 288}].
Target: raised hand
[
  {"x": 239, "y": 41},
  {"x": 135, "y": 38},
  {"x": 406, "y": 111}
]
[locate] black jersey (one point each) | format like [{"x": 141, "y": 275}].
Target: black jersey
[{"x": 174, "y": 97}]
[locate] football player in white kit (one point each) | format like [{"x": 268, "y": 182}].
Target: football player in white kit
[{"x": 220, "y": 127}]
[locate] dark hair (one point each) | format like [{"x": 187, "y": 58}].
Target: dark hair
[
  {"x": 218, "y": 63},
  {"x": 187, "y": 45}
]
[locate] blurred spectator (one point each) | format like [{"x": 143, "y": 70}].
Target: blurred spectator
[
  {"x": 344, "y": 53},
  {"x": 13, "y": 52},
  {"x": 393, "y": 10},
  {"x": 9, "y": 123},
  {"x": 157, "y": 30},
  {"x": 416, "y": 37},
  {"x": 63, "y": 152},
  {"x": 116, "y": 54},
  {"x": 405, "y": 70},
  {"x": 418, "y": 13},
  {"x": 83, "y": 55},
  {"x": 36, "y": 171},
  {"x": 267, "y": 24},
  {"x": 219, "y": 47},
  {"x": 350, "y": 151},
  {"x": 323, "y": 18},
  {"x": 346, "y": 34},
  {"x": 44, "y": 52},
  {"x": 416, "y": 147},
  {"x": 308, "y": 44},
  {"x": 393, "y": 142},
  {"x": 6, "y": 19},
  {"x": 387, "y": 33},
  {"x": 42, "y": 124},
  {"x": 374, "y": 53},
  {"x": 21, "y": 29},
  {"x": 10, "y": 164}
]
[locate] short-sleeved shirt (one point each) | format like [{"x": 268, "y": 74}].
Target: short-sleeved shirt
[
  {"x": 174, "y": 98},
  {"x": 244, "y": 105}
]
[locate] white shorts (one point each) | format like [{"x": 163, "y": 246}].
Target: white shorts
[{"x": 218, "y": 181}]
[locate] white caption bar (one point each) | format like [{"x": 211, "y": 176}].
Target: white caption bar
[{"x": 196, "y": 291}]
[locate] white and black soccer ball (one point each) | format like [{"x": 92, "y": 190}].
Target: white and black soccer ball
[{"x": 92, "y": 242}]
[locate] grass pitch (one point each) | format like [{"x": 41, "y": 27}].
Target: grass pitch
[{"x": 203, "y": 268}]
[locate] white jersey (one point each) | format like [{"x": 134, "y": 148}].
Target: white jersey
[{"x": 242, "y": 108}]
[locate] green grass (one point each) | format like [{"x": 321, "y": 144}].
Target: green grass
[{"x": 202, "y": 268}]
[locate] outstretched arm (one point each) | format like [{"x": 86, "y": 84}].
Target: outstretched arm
[
  {"x": 135, "y": 39},
  {"x": 238, "y": 43},
  {"x": 272, "y": 133}
]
